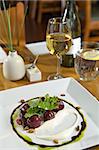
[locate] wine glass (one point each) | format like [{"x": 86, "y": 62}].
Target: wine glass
[{"x": 58, "y": 41}]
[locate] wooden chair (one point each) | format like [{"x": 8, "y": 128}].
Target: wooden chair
[
  {"x": 90, "y": 24},
  {"x": 16, "y": 13},
  {"x": 32, "y": 5},
  {"x": 46, "y": 6}
]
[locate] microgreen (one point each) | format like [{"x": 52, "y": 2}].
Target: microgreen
[
  {"x": 39, "y": 105},
  {"x": 49, "y": 103}
]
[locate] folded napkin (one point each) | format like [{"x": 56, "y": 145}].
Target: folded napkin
[
  {"x": 3, "y": 55},
  {"x": 38, "y": 48}
]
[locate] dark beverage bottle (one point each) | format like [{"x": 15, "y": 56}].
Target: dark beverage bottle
[{"x": 71, "y": 13}]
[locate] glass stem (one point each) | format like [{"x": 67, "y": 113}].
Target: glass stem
[{"x": 58, "y": 65}]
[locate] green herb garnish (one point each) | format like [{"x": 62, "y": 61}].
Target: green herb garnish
[
  {"x": 39, "y": 105},
  {"x": 49, "y": 103}
]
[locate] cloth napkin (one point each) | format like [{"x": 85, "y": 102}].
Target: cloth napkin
[{"x": 38, "y": 48}]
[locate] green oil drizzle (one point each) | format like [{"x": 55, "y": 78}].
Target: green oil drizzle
[{"x": 28, "y": 139}]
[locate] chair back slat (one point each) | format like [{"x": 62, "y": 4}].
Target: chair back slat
[
  {"x": 90, "y": 23},
  {"x": 17, "y": 24}
]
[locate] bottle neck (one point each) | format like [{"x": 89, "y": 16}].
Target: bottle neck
[
  {"x": 71, "y": 8},
  {"x": 71, "y": 13},
  {"x": 71, "y": 1}
]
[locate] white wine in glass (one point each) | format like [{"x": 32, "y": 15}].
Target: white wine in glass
[{"x": 58, "y": 40}]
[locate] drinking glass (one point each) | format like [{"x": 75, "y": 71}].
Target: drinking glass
[
  {"x": 58, "y": 40},
  {"x": 87, "y": 61}
]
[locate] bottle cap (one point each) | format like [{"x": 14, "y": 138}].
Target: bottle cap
[{"x": 67, "y": 60}]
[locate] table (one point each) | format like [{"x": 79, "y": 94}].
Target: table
[{"x": 47, "y": 65}]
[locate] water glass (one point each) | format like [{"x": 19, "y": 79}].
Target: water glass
[{"x": 87, "y": 61}]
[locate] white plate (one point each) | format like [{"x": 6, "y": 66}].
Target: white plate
[
  {"x": 75, "y": 94},
  {"x": 38, "y": 48}
]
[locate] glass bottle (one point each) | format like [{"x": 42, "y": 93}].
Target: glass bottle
[{"x": 71, "y": 13}]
